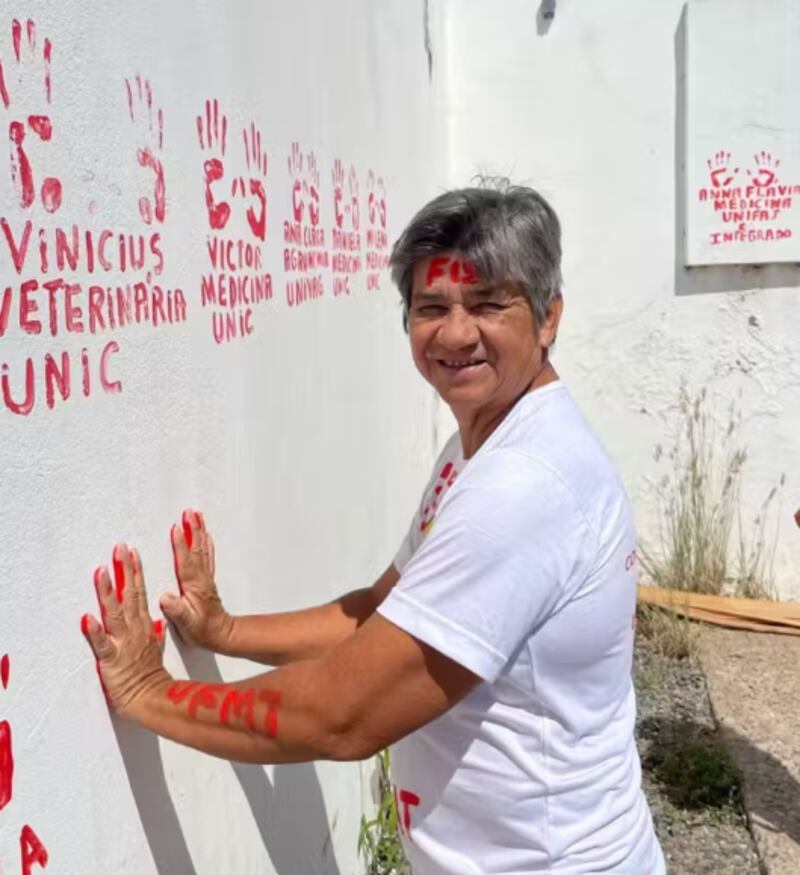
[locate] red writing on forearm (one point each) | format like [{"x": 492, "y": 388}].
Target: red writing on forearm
[
  {"x": 6, "y": 765},
  {"x": 236, "y": 703},
  {"x": 32, "y": 851}
]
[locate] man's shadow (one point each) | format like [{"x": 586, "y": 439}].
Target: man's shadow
[
  {"x": 289, "y": 813},
  {"x": 771, "y": 792}
]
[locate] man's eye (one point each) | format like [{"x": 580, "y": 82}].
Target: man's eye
[
  {"x": 489, "y": 307},
  {"x": 431, "y": 310}
]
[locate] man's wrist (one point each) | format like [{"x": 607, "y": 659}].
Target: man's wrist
[
  {"x": 153, "y": 693},
  {"x": 221, "y": 641}
]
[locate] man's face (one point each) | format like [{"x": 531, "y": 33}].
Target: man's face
[{"x": 476, "y": 344}]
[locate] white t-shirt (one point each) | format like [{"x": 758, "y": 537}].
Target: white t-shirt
[{"x": 520, "y": 564}]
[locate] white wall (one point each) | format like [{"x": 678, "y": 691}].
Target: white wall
[
  {"x": 589, "y": 108},
  {"x": 305, "y": 442}
]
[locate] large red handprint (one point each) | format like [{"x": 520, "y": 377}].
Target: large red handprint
[
  {"x": 766, "y": 169},
  {"x": 151, "y": 124},
  {"x": 27, "y": 62},
  {"x": 212, "y": 132},
  {"x": 719, "y": 167},
  {"x": 257, "y": 164}
]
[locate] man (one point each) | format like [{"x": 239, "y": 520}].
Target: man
[{"x": 495, "y": 652}]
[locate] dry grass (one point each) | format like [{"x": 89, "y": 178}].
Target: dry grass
[
  {"x": 704, "y": 545},
  {"x": 671, "y": 634}
]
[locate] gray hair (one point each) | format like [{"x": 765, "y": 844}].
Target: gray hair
[{"x": 509, "y": 232}]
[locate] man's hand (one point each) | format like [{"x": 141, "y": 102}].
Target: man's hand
[
  {"x": 197, "y": 614},
  {"x": 127, "y": 644}
]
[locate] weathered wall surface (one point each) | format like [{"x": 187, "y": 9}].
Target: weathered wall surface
[
  {"x": 589, "y": 107},
  {"x": 196, "y": 206}
]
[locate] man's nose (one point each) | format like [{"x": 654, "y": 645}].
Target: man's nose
[{"x": 458, "y": 329}]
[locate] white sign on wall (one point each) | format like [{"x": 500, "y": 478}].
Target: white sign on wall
[{"x": 742, "y": 128}]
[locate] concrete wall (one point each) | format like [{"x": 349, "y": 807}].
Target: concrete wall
[
  {"x": 294, "y": 419},
  {"x": 589, "y": 107}
]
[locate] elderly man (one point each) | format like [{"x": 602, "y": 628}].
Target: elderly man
[{"x": 495, "y": 651}]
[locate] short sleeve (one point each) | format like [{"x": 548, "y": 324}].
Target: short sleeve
[{"x": 509, "y": 544}]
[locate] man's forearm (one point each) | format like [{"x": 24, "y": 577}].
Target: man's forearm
[{"x": 278, "y": 639}]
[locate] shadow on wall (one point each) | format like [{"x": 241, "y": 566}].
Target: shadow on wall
[
  {"x": 721, "y": 278},
  {"x": 278, "y": 808},
  {"x": 545, "y": 16}
]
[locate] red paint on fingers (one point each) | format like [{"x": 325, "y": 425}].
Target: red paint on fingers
[
  {"x": 119, "y": 575},
  {"x": 187, "y": 529},
  {"x": 6, "y": 765},
  {"x": 4, "y": 670},
  {"x": 85, "y": 625}
]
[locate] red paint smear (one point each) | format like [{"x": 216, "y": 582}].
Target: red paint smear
[
  {"x": 273, "y": 700},
  {"x": 119, "y": 575},
  {"x": 3, "y": 89},
  {"x": 6, "y": 765},
  {"x": 242, "y": 703},
  {"x": 32, "y": 850},
  {"x": 446, "y": 470},
  {"x": 180, "y": 690},
  {"x": 158, "y": 630},
  {"x": 48, "y": 56},
  {"x": 205, "y": 697},
  {"x": 4, "y": 671},
  {"x": 31, "y": 27},
  {"x": 85, "y": 625},
  {"x": 436, "y": 268},
  {"x": 16, "y": 36},
  {"x": 130, "y": 97}
]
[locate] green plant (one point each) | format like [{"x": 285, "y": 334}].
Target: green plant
[
  {"x": 700, "y": 511},
  {"x": 696, "y": 771},
  {"x": 378, "y": 840}
]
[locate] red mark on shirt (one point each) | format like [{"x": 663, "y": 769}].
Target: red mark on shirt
[
  {"x": 4, "y": 670},
  {"x": 6, "y": 765},
  {"x": 445, "y": 480},
  {"x": 33, "y": 852},
  {"x": 460, "y": 271},
  {"x": 630, "y": 560},
  {"x": 404, "y": 801}
]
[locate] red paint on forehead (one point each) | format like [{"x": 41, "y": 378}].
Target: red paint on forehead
[{"x": 461, "y": 270}]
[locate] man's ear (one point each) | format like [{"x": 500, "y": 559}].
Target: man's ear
[{"x": 548, "y": 329}]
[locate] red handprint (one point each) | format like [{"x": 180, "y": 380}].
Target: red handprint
[
  {"x": 27, "y": 59},
  {"x": 212, "y": 132},
  {"x": 296, "y": 163},
  {"x": 151, "y": 123},
  {"x": 376, "y": 199},
  {"x": 721, "y": 175},
  {"x": 256, "y": 164},
  {"x": 337, "y": 175},
  {"x": 766, "y": 169}
]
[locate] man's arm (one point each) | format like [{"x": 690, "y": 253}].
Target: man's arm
[
  {"x": 281, "y": 638},
  {"x": 274, "y": 639},
  {"x": 377, "y": 686}
]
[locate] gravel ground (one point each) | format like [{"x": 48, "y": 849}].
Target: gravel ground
[{"x": 673, "y": 708}]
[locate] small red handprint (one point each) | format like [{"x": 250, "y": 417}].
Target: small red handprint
[
  {"x": 257, "y": 165},
  {"x": 721, "y": 174},
  {"x": 30, "y": 62},
  {"x": 376, "y": 199},
  {"x": 151, "y": 125},
  {"x": 212, "y": 131},
  {"x": 345, "y": 208},
  {"x": 766, "y": 169}
]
